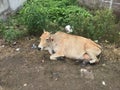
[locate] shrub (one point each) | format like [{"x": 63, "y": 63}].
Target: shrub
[
  {"x": 11, "y": 34},
  {"x": 10, "y": 30},
  {"x": 54, "y": 14},
  {"x": 1, "y": 28},
  {"x": 39, "y": 14},
  {"x": 93, "y": 26},
  {"x": 103, "y": 23}
]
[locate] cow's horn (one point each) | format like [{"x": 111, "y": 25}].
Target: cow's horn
[{"x": 44, "y": 30}]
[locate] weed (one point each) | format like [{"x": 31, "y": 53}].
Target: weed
[
  {"x": 54, "y": 14},
  {"x": 10, "y": 30},
  {"x": 11, "y": 34}
]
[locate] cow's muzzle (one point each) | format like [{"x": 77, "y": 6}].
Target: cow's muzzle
[{"x": 39, "y": 48}]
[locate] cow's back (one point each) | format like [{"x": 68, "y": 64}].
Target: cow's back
[{"x": 71, "y": 45}]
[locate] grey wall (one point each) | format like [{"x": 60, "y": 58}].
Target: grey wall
[
  {"x": 101, "y": 3},
  {"x": 3, "y": 5},
  {"x": 8, "y": 6}
]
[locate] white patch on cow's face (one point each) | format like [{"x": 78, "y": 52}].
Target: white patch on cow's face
[{"x": 41, "y": 47}]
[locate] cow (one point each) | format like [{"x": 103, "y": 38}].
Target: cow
[{"x": 70, "y": 46}]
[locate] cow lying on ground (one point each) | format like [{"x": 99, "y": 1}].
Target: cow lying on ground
[{"x": 62, "y": 44}]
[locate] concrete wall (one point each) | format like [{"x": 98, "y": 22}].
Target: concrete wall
[
  {"x": 8, "y": 6},
  {"x": 3, "y": 5},
  {"x": 14, "y": 4},
  {"x": 112, "y": 4}
]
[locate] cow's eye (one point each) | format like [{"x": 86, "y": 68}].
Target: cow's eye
[{"x": 47, "y": 39}]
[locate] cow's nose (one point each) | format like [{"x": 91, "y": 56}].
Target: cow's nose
[{"x": 39, "y": 48}]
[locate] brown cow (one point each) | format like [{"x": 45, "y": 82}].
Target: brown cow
[{"x": 70, "y": 46}]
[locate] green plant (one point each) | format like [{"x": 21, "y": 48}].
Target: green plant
[
  {"x": 54, "y": 14},
  {"x": 11, "y": 34},
  {"x": 103, "y": 22},
  {"x": 10, "y": 30},
  {"x": 39, "y": 14},
  {"x": 2, "y": 27},
  {"x": 94, "y": 26}
]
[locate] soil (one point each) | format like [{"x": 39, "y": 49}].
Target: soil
[{"x": 23, "y": 67}]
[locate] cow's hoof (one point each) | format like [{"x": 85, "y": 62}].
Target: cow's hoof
[
  {"x": 62, "y": 58},
  {"x": 85, "y": 63},
  {"x": 93, "y": 62}
]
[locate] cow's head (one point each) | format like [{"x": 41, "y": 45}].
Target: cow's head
[{"x": 45, "y": 40}]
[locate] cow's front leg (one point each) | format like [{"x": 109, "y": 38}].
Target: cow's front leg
[
  {"x": 51, "y": 51},
  {"x": 56, "y": 56}
]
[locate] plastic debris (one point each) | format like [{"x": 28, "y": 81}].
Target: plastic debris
[
  {"x": 34, "y": 46},
  {"x": 68, "y": 29},
  {"x": 96, "y": 41},
  {"x": 106, "y": 41}
]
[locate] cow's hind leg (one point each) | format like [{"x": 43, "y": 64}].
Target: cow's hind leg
[{"x": 93, "y": 57}]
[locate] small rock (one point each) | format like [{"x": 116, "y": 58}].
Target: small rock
[
  {"x": 106, "y": 41},
  {"x": 83, "y": 70},
  {"x": 3, "y": 46},
  {"x": 55, "y": 76},
  {"x": 103, "y": 83},
  {"x": 103, "y": 64},
  {"x": 86, "y": 74},
  {"x": 25, "y": 85},
  {"x": 43, "y": 61},
  {"x": 56, "y": 79},
  {"x": 14, "y": 43},
  {"x": 17, "y": 49},
  {"x": 1, "y": 88}
]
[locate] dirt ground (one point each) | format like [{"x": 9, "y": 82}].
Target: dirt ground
[{"x": 23, "y": 67}]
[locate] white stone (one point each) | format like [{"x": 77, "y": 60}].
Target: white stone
[
  {"x": 25, "y": 85},
  {"x": 17, "y": 49},
  {"x": 103, "y": 83}
]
